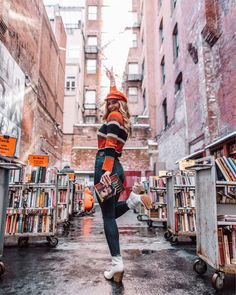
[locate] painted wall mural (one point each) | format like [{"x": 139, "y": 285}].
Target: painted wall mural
[{"x": 12, "y": 86}]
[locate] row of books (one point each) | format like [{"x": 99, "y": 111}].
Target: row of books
[
  {"x": 226, "y": 168},
  {"x": 62, "y": 197},
  {"x": 78, "y": 200},
  {"x": 227, "y": 245},
  {"x": 158, "y": 211},
  {"x": 185, "y": 198},
  {"x": 22, "y": 223},
  {"x": 158, "y": 197},
  {"x": 229, "y": 218},
  {"x": 185, "y": 220},
  {"x": 228, "y": 197},
  {"x": 184, "y": 178},
  {"x": 61, "y": 212},
  {"x": 31, "y": 198},
  {"x": 156, "y": 181},
  {"x": 30, "y": 174},
  {"x": 63, "y": 180}
]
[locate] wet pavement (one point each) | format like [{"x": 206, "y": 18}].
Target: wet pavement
[{"x": 76, "y": 265}]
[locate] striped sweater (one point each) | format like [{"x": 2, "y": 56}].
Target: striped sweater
[{"x": 111, "y": 138}]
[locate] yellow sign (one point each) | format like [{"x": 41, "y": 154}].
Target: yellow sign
[
  {"x": 71, "y": 176},
  {"x": 7, "y": 146},
  {"x": 38, "y": 160},
  {"x": 183, "y": 164}
]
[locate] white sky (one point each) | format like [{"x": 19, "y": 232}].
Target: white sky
[{"x": 116, "y": 18}]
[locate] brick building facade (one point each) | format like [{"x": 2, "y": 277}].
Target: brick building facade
[
  {"x": 193, "y": 68},
  {"x": 27, "y": 35}
]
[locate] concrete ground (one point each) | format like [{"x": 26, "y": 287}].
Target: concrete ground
[{"x": 76, "y": 265}]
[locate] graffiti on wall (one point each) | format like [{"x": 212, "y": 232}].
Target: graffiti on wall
[{"x": 12, "y": 84}]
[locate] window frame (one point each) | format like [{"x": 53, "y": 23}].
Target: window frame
[
  {"x": 163, "y": 70},
  {"x": 88, "y": 68},
  {"x": 133, "y": 98},
  {"x": 175, "y": 36},
  {"x": 165, "y": 113},
  {"x": 91, "y": 15}
]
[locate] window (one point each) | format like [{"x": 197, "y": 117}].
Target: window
[
  {"x": 92, "y": 12},
  {"x": 90, "y": 99},
  {"x": 133, "y": 69},
  {"x": 91, "y": 66},
  {"x": 133, "y": 94},
  {"x": 92, "y": 40},
  {"x": 161, "y": 31},
  {"x": 143, "y": 69},
  {"x": 165, "y": 115},
  {"x": 70, "y": 83},
  {"x": 178, "y": 82},
  {"x": 160, "y": 3},
  {"x": 90, "y": 119},
  {"x": 134, "y": 40},
  {"x": 144, "y": 100},
  {"x": 163, "y": 70},
  {"x": 176, "y": 42}
]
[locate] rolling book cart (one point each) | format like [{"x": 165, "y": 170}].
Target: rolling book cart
[
  {"x": 157, "y": 190},
  {"x": 181, "y": 219},
  {"x": 5, "y": 167},
  {"x": 63, "y": 192},
  {"x": 32, "y": 207},
  {"x": 216, "y": 222},
  {"x": 78, "y": 196}
]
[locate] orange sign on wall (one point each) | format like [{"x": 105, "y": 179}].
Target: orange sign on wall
[
  {"x": 38, "y": 160},
  {"x": 71, "y": 176},
  {"x": 7, "y": 146}
]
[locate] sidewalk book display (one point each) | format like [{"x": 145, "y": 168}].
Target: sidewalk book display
[
  {"x": 78, "y": 197},
  {"x": 6, "y": 165},
  {"x": 32, "y": 203},
  {"x": 63, "y": 189},
  {"x": 216, "y": 218},
  {"x": 157, "y": 191},
  {"x": 181, "y": 219}
]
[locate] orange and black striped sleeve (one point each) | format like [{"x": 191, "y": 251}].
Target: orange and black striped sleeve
[{"x": 114, "y": 123}]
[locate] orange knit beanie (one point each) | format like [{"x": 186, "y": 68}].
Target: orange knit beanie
[{"x": 116, "y": 94}]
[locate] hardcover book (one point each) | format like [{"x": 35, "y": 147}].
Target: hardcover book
[{"x": 104, "y": 193}]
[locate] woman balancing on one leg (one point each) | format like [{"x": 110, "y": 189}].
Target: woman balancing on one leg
[{"x": 111, "y": 138}]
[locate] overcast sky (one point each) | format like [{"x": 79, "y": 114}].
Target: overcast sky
[{"x": 116, "y": 20}]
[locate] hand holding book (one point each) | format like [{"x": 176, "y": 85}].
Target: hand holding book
[{"x": 105, "y": 192}]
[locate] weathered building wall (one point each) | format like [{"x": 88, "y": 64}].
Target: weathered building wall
[{"x": 31, "y": 42}]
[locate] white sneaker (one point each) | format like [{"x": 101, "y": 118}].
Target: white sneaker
[
  {"x": 117, "y": 270},
  {"x": 134, "y": 200}
]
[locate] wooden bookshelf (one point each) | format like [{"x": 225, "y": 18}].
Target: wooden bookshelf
[{"x": 216, "y": 224}]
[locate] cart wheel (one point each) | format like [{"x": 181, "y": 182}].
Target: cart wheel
[
  {"x": 199, "y": 266},
  {"x": 218, "y": 280},
  {"x": 23, "y": 242},
  {"x": 2, "y": 268},
  {"x": 167, "y": 235},
  {"x": 193, "y": 239},
  {"x": 149, "y": 223},
  {"x": 174, "y": 240},
  {"x": 53, "y": 241},
  {"x": 139, "y": 217}
]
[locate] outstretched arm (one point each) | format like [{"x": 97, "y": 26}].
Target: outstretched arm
[{"x": 110, "y": 76}]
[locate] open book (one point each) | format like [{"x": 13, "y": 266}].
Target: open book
[{"x": 104, "y": 193}]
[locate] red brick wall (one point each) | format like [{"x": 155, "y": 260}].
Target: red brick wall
[{"x": 31, "y": 42}]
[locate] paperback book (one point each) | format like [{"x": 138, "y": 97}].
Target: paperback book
[{"x": 106, "y": 192}]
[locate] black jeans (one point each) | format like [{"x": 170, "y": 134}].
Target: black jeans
[{"x": 111, "y": 208}]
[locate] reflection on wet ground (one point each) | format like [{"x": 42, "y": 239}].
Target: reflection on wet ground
[{"x": 152, "y": 265}]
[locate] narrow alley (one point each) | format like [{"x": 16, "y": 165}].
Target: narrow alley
[{"x": 76, "y": 265}]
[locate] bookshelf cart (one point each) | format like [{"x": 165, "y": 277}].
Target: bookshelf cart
[
  {"x": 181, "y": 222},
  {"x": 78, "y": 196},
  {"x": 64, "y": 194},
  {"x": 157, "y": 190},
  {"x": 207, "y": 208},
  {"x": 32, "y": 208},
  {"x": 5, "y": 166}
]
